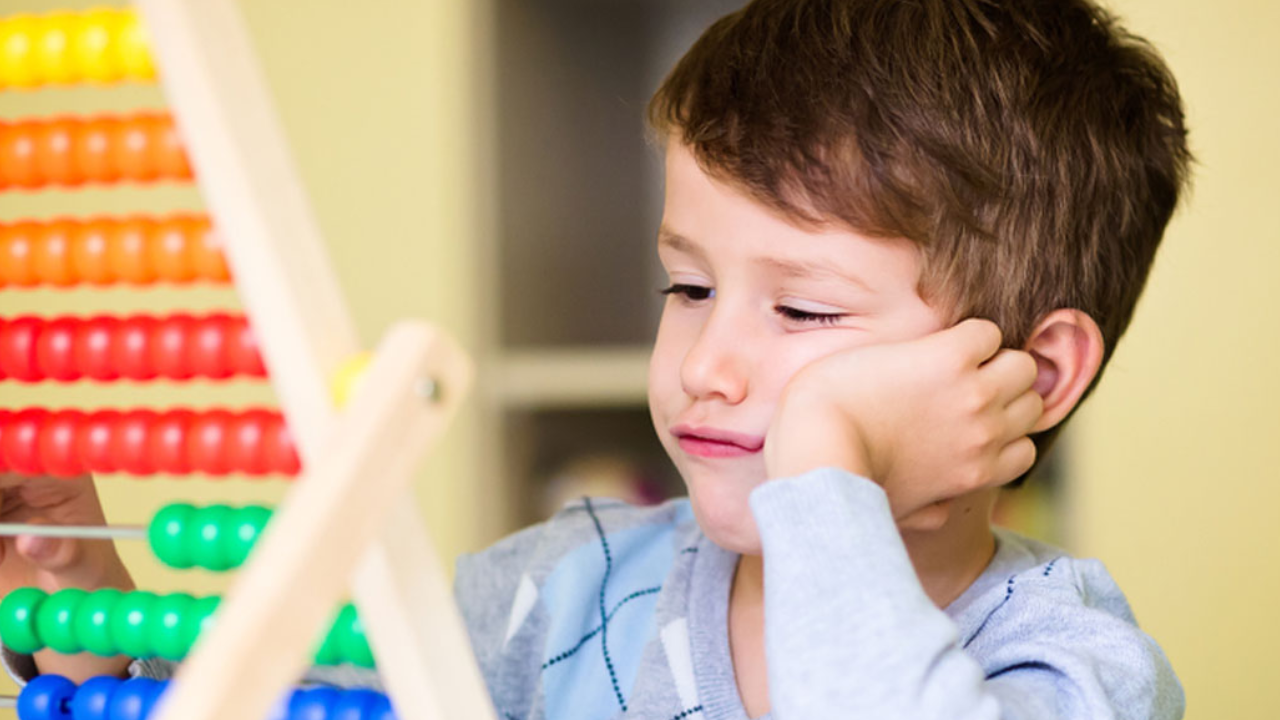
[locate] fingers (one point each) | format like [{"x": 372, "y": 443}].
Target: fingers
[
  {"x": 1024, "y": 412},
  {"x": 976, "y": 340},
  {"x": 1015, "y": 459}
]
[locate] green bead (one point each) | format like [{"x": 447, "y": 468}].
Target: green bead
[
  {"x": 203, "y": 616},
  {"x": 245, "y": 529},
  {"x": 92, "y": 622},
  {"x": 211, "y": 533},
  {"x": 172, "y": 625},
  {"x": 352, "y": 644},
  {"x": 329, "y": 653},
  {"x": 170, "y": 533},
  {"x": 18, "y": 614},
  {"x": 129, "y": 624},
  {"x": 54, "y": 621}
]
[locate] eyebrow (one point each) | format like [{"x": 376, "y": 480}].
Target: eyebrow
[{"x": 791, "y": 268}]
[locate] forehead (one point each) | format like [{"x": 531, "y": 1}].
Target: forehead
[{"x": 711, "y": 220}]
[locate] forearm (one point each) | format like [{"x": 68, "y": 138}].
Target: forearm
[{"x": 849, "y": 631}]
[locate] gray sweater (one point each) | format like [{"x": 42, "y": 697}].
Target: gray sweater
[{"x": 612, "y": 611}]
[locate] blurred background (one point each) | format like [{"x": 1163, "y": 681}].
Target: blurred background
[{"x": 482, "y": 163}]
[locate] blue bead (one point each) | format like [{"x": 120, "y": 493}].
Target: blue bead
[
  {"x": 154, "y": 689},
  {"x": 381, "y": 710},
  {"x": 94, "y": 697},
  {"x": 131, "y": 700},
  {"x": 314, "y": 704},
  {"x": 46, "y": 697},
  {"x": 354, "y": 705}
]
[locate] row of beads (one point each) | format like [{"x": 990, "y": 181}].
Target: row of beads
[
  {"x": 138, "y": 347},
  {"x": 53, "y": 697},
  {"x": 141, "y": 624},
  {"x": 71, "y": 151},
  {"x": 103, "y": 45},
  {"x": 214, "y": 537},
  {"x": 67, "y": 443},
  {"x": 106, "y": 250}
]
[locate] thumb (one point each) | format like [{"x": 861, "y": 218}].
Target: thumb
[{"x": 51, "y": 554}]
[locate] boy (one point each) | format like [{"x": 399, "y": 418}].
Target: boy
[{"x": 848, "y": 185}]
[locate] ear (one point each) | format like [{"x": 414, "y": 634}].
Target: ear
[{"x": 1067, "y": 346}]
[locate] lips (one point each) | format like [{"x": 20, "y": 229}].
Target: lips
[{"x": 742, "y": 441}]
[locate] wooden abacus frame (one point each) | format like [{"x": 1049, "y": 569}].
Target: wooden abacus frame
[{"x": 356, "y": 464}]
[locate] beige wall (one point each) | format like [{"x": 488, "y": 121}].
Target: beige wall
[{"x": 1177, "y": 473}]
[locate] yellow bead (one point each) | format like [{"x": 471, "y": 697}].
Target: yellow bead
[
  {"x": 52, "y": 35},
  {"x": 17, "y": 52},
  {"x": 91, "y": 45},
  {"x": 347, "y": 380},
  {"x": 134, "y": 49}
]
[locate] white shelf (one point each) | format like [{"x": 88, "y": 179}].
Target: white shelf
[{"x": 571, "y": 378}]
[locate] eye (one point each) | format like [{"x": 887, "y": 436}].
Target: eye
[
  {"x": 802, "y": 316},
  {"x": 690, "y": 292}
]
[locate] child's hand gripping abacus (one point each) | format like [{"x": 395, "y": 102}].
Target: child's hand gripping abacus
[{"x": 355, "y": 464}]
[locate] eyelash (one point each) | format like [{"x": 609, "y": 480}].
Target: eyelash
[{"x": 688, "y": 292}]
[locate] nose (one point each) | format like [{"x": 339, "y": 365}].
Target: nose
[{"x": 718, "y": 363}]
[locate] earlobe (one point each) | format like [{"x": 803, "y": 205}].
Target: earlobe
[{"x": 1067, "y": 346}]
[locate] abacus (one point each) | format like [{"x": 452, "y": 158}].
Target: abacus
[{"x": 353, "y": 463}]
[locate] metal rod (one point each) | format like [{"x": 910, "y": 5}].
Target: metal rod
[
  {"x": 83, "y": 532},
  {"x": 8, "y": 701}
]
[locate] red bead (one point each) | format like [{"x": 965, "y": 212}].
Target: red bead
[
  {"x": 5, "y": 417},
  {"x": 171, "y": 346},
  {"x": 169, "y": 441},
  {"x": 211, "y": 347},
  {"x": 131, "y": 347},
  {"x": 18, "y": 348},
  {"x": 281, "y": 455},
  {"x": 22, "y": 441},
  {"x": 207, "y": 444},
  {"x": 247, "y": 446},
  {"x": 58, "y": 452},
  {"x": 93, "y": 342},
  {"x": 243, "y": 351},
  {"x": 131, "y": 442},
  {"x": 56, "y": 349},
  {"x": 94, "y": 441}
]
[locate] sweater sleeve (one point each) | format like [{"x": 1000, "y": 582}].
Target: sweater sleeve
[{"x": 850, "y": 632}]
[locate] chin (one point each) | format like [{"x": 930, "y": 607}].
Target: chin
[{"x": 724, "y": 516}]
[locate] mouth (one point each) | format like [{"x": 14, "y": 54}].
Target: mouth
[{"x": 716, "y": 443}]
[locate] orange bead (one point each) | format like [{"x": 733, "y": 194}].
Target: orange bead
[
  {"x": 18, "y": 156},
  {"x": 169, "y": 155},
  {"x": 52, "y": 45},
  {"x": 53, "y": 252},
  {"x": 206, "y": 252},
  {"x": 89, "y": 256},
  {"x": 92, "y": 150},
  {"x": 17, "y": 52},
  {"x": 91, "y": 45},
  {"x": 53, "y": 148},
  {"x": 17, "y": 254},
  {"x": 131, "y": 148},
  {"x": 170, "y": 250},
  {"x": 127, "y": 251}
]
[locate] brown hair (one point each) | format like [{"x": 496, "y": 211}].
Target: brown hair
[{"x": 1033, "y": 149}]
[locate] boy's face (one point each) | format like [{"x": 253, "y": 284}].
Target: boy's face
[{"x": 755, "y": 299}]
